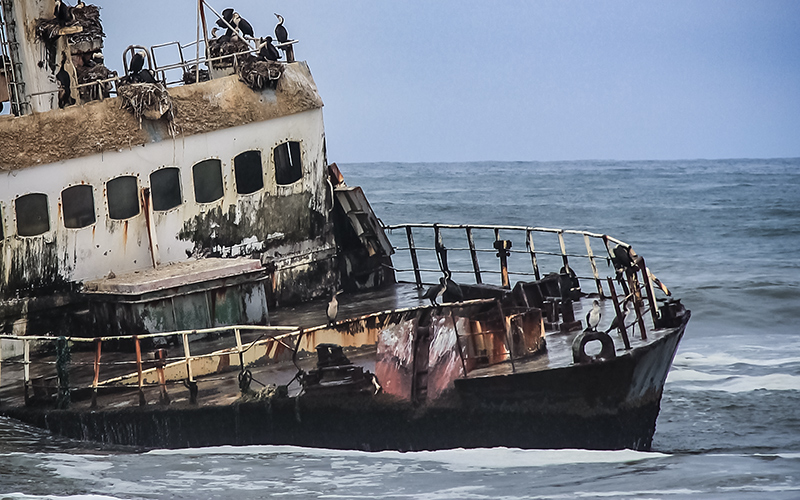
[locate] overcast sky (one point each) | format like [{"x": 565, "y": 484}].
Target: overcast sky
[{"x": 527, "y": 80}]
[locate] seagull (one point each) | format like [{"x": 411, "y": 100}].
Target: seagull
[
  {"x": 333, "y": 308},
  {"x": 280, "y": 31},
  {"x": 593, "y": 317},
  {"x": 436, "y": 291}
]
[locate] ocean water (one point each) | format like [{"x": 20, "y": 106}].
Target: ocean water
[{"x": 723, "y": 235}]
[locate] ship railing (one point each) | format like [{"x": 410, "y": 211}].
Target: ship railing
[
  {"x": 494, "y": 254},
  {"x": 45, "y": 359}
]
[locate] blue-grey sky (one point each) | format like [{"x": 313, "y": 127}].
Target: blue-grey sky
[{"x": 528, "y": 80}]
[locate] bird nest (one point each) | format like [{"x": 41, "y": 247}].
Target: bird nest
[
  {"x": 150, "y": 101},
  {"x": 87, "y": 18},
  {"x": 259, "y": 74},
  {"x": 87, "y": 74},
  {"x": 224, "y": 46}
]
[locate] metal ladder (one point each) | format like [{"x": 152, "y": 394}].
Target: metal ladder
[{"x": 16, "y": 87}]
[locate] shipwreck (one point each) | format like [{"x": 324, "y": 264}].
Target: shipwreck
[{"x": 182, "y": 266}]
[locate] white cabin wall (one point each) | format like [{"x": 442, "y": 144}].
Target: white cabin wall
[{"x": 122, "y": 246}]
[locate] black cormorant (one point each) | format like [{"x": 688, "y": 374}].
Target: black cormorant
[
  {"x": 268, "y": 51},
  {"x": 137, "y": 62},
  {"x": 242, "y": 25},
  {"x": 64, "y": 93},
  {"x": 281, "y": 35},
  {"x": 227, "y": 15},
  {"x": 436, "y": 292},
  {"x": 63, "y": 12}
]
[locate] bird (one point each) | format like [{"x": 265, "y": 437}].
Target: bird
[
  {"x": 227, "y": 17},
  {"x": 333, "y": 308},
  {"x": 242, "y": 25},
  {"x": 436, "y": 291},
  {"x": 63, "y": 12},
  {"x": 628, "y": 316},
  {"x": 64, "y": 94},
  {"x": 280, "y": 31},
  {"x": 268, "y": 51},
  {"x": 593, "y": 317},
  {"x": 452, "y": 292},
  {"x": 137, "y": 62},
  {"x": 145, "y": 76}
]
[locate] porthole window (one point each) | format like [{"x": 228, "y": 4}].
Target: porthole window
[
  {"x": 207, "y": 181},
  {"x": 77, "y": 204},
  {"x": 165, "y": 186},
  {"x": 249, "y": 176},
  {"x": 33, "y": 217},
  {"x": 122, "y": 194},
  {"x": 288, "y": 165}
]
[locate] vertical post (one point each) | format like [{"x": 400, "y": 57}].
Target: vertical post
[
  {"x": 475, "y": 264},
  {"x": 563, "y": 247},
  {"x": 507, "y": 327},
  {"x": 441, "y": 250},
  {"x": 138, "y": 347},
  {"x": 620, "y": 314},
  {"x": 594, "y": 265},
  {"x": 26, "y": 367},
  {"x": 161, "y": 361},
  {"x": 413, "y": 251},
  {"x": 98, "y": 351},
  {"x": 648, "y": 290},
  {"x": 534, "y": 261},
  {"x": 503, "y": 247},
  {"x": 147, "y": 205},
  {"x": 187, "y": 357},
  {"x": 238, "y": 336},
  {"x": 197, "y": 47}
]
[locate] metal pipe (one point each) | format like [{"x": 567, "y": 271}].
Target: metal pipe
[
  {"x": 534, "y": 261},
  {"x": 594, "y": 266},
  {"x": 96, "y": 379},
  {"x": 620, "y": 314},
  {"x": 142, "y": 401},
  {"x": 475, "y": 264},
  {"x": 187, "y": 356},
  {"x": 413, "y": 252}
]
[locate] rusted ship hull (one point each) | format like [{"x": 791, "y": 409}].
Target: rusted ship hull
[{"x": 605, "y": 405}]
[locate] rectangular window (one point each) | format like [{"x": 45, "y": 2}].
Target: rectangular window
[
  {"x": 33, "y": 217},
  {"x": 208, "y": 181},
  {"x": 249, "y": 176},
  {"x": 288, "y": 165},
  {"x": 77, "y": 203},
  {"x": 165, "y": 186},
  {"x": 122, "y": 194}
]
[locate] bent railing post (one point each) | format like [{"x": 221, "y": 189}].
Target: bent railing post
[
  {"x": 620, "y": 314},
  {"x": 26, "y": 368},
  {"x": 534, "y": 261},
  {"x": 474, "y": 255},
  {"x": 413, "y": 251},
  {"x": 596, "y": 275},
  {"x": 648, "y": 290}
]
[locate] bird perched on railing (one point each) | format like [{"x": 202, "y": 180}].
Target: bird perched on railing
[
  {"x": 446, "y": 287},
  {"x": 593, "y": 317},
  {"x": 242, "y": 25},
  {"x": 333, "y": 307},
  {"x": 628, "y": 316},
  {"x": 267, "y": 51},
  {"x": 281, "y": 35}
]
